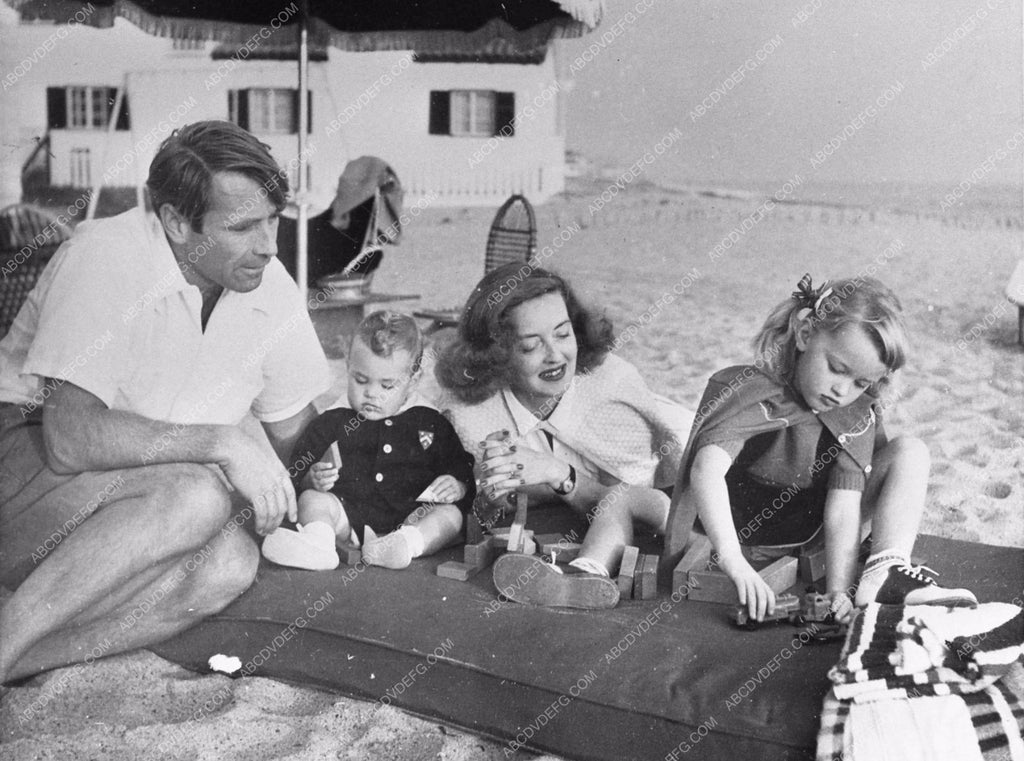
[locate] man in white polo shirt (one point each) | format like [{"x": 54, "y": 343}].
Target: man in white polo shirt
[{"x": 122, "y": 384}]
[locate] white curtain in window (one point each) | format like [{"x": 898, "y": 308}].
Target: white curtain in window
[
  {"x": 483, "y": 113},
  {"x": 472, "y": 112},
  {"x": 461, "y": 115},
  {"x": 79, "y": 116}
]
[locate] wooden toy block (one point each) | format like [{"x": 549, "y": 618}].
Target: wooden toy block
[
  {"x": 453, "y": 569},
  {"x": 711, "y": 586},
  {"x": 500, "y": 536},
  {"x": 349, "y": 554},
  {"x": 479, "y": 555},
  {"x": 627, "y": 571},
  {"x": 812, "y": 564},
  {"x": 515, "y": 534},
  {"x": 563, "y": 551},
  {"x": 715, "y": 586},
  {"x": 781, "y": 574},
  {"x": 333, "y": 456},
  {"x": 696, "y": 558},
  {"x": 646, "y": 585},
  {"x": 514, "y": 543},
  {"x": 543, "y": 540},
  {"x": 474, "y": 531}
]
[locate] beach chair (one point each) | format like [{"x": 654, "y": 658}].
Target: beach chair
[
  {"x": 29, "y": 236},
  {"x": 344, "y": 298},
  {"x": 513, "y": 235},
  {"x": 512, "y": 238},
  {"x": 346, "y": 239},
  {"x": 1015, "y": 293},
  {"x": 342, "y": 262}
]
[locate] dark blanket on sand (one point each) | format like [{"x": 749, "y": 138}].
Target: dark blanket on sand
[{"x": 645, "y": 680}]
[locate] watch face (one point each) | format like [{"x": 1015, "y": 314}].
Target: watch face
[{"x": 569, "y": 483}]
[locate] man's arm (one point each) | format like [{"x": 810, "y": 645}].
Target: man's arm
[
  {"x": 284, "y": 434},
  {"x": 81, "y": 433}
]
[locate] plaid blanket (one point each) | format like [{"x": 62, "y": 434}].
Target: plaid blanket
[{"x": 928, "y": 682}]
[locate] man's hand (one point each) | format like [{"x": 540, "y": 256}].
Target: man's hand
[{"x": 262, "y": 480}]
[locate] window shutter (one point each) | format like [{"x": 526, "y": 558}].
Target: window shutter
[
  {"x": 242, "y": 108},
  {"x": 57, "y": 107},
  {"x": 123, "y": 119},
  {"x": 440, "y": 112},
  {"x": 504, "y": 113}
]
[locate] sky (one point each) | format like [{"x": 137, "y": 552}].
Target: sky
[{"x": 819, "y": 79}]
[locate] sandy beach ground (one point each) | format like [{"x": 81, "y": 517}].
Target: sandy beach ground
[{"x": 963, "y": 393}]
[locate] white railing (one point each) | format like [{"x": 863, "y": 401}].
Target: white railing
[{"x": 484, "y": 187}]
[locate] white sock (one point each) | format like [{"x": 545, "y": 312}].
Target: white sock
[
  {"x": 587, "y": 565},
  {"x": 884, "y": 559},
  {"x": 417, "y": 544},
  {"x": 321, "y": 533}
]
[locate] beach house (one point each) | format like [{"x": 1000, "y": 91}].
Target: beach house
[{"x": 465, "y": 125}]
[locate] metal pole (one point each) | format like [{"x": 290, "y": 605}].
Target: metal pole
[
  {"x": 302, "y": 242},
  {"x": 97, "y": 183}
]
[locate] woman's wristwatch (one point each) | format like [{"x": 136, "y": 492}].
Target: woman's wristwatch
[{"x": 568, "y": 484}]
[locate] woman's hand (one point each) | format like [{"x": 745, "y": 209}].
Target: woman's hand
[
  {"x": 752, "y": 589},
  {"x": 506, "y": 467},
  {"x": 322, "y": 476}
]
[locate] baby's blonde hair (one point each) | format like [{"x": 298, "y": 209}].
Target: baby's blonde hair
[{"x": 850, "y": 301}]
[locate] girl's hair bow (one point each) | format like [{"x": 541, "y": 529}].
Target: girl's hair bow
[{"x": 810, "y": 297}]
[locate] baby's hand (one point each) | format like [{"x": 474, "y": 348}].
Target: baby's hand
[
  {"x": 447, "y": 489},
  {"x": 322, "y": 476},
  {"x": 752, "y": 589}
]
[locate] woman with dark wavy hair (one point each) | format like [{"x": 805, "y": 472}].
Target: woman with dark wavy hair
[{"x": 549, "y": 411}]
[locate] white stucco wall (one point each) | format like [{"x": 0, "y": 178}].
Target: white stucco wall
[{"x": 363, "y": 103}]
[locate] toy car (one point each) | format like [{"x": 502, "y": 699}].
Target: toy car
[{"x": 811, "y": 607}]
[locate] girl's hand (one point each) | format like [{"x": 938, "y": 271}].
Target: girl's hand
[
  {"x": 751, "y": 588},
  {"x": 507, "y": 467},
  {"x": 447, "y": 489},
  {"x": 840, "y": 606},
  {"x": 322, "y": 476}
]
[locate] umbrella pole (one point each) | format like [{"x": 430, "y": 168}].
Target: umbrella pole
[
  {"x": 97, "y": 185},
  {"x": 302, "y": 242}
]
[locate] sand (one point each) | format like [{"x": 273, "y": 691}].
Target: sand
[{"x": 962, "y": 393}]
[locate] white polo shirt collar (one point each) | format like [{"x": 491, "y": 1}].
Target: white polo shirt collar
[{"x": 173, "y": 279}]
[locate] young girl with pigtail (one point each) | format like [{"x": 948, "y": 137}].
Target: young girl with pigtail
[{"x": 794, "y": 446}]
